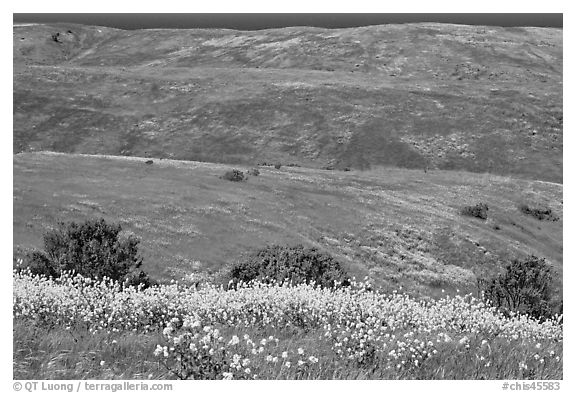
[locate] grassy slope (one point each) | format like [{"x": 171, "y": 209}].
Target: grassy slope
[
  {"x": 401, "y": 227},
  {"x": 450, "y": 97},
  {"x": 445, "y": 96},
  {"x": 75, "y": 354}
]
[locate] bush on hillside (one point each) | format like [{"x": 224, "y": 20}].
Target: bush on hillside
[
  {"x": 540, "y": 213},
  {"x": 234, "y": 175},
  {"x": 254, "y": 172},
  {"x": 480, "y": 211},
  {"x": 40, "y": 264},
  {"x": 139, "y": 277},
  {"x": 277, "y": 165},
  {"x": 93, "y": 249},
  {"x": 293, "y": 264},
  {"x": 523, "y": 288}
]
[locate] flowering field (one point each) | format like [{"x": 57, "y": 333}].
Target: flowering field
[{"x": 277, "y": 332}]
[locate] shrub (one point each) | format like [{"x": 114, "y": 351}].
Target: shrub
[
  {"x": 234, "y": 175},
  {"x": 139, "y": 278},
  {"x": 524, "y": 288},
  {"x": 254, "y": 172},
  {"x": 540, "y": 213},
  {"x": 294, "y": 264},
  {"x": 93, "y": 249},
  {"x": 277, "y": 165},
  {"x": 39, "y": 264},
  {"x": 480, "y": 211}
]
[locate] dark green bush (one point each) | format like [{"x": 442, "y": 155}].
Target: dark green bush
[
  {"x": 525, "y": 287},
  {"x": 234, "y": 175},
  {"x": 480, "y": 211},
  {"x": 277, "y": 165},
  {"x": 544, "y": 213},
  {"x": 293, "y": 264},
  {"x": 93, "y": 249}
]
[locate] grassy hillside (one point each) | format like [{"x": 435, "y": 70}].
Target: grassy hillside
[
  {"x": 451, "y": 97},
  {"x": 384, "y": 133},
  {"x": 400, "y": 227}
]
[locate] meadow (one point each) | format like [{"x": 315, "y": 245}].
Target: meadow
[
  {"x": 423, "y": 157},
  {"x": 99, "y": 329},
  {"x": 402, "y": 228}
]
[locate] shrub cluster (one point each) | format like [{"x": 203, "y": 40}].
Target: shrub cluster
[
  {"x": 540, "y": 213},
  {"x": 295, "y": 264},
  {"x": 234, "y": 175},
  {"x": 254, "y": 172},
  {"x": 523, "y": 288},
  {"x": 480, "y": 211},
  {"x": 277, "y": 165},
  {"x": 333, "y": 168},
  {"x": 92, "y": 249}
]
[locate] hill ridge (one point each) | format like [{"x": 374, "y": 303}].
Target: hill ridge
[{"x": 480, "y": 99}]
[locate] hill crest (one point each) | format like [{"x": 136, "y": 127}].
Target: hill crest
[{"x": 475, "y": 98}]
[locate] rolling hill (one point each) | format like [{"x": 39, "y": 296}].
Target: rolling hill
[
  {"x": 448, "y": 97},
  {"x": 386, "y": 136},
  {"x": 400, "y": 227}
]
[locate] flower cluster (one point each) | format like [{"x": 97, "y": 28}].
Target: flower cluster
[
  {"x": 196, "y": 351},
  {"x": 205, "y": 330},
  {"x": 363, "y": 316}
]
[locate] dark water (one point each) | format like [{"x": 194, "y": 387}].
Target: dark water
[{"x": 265, "y": 21}]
